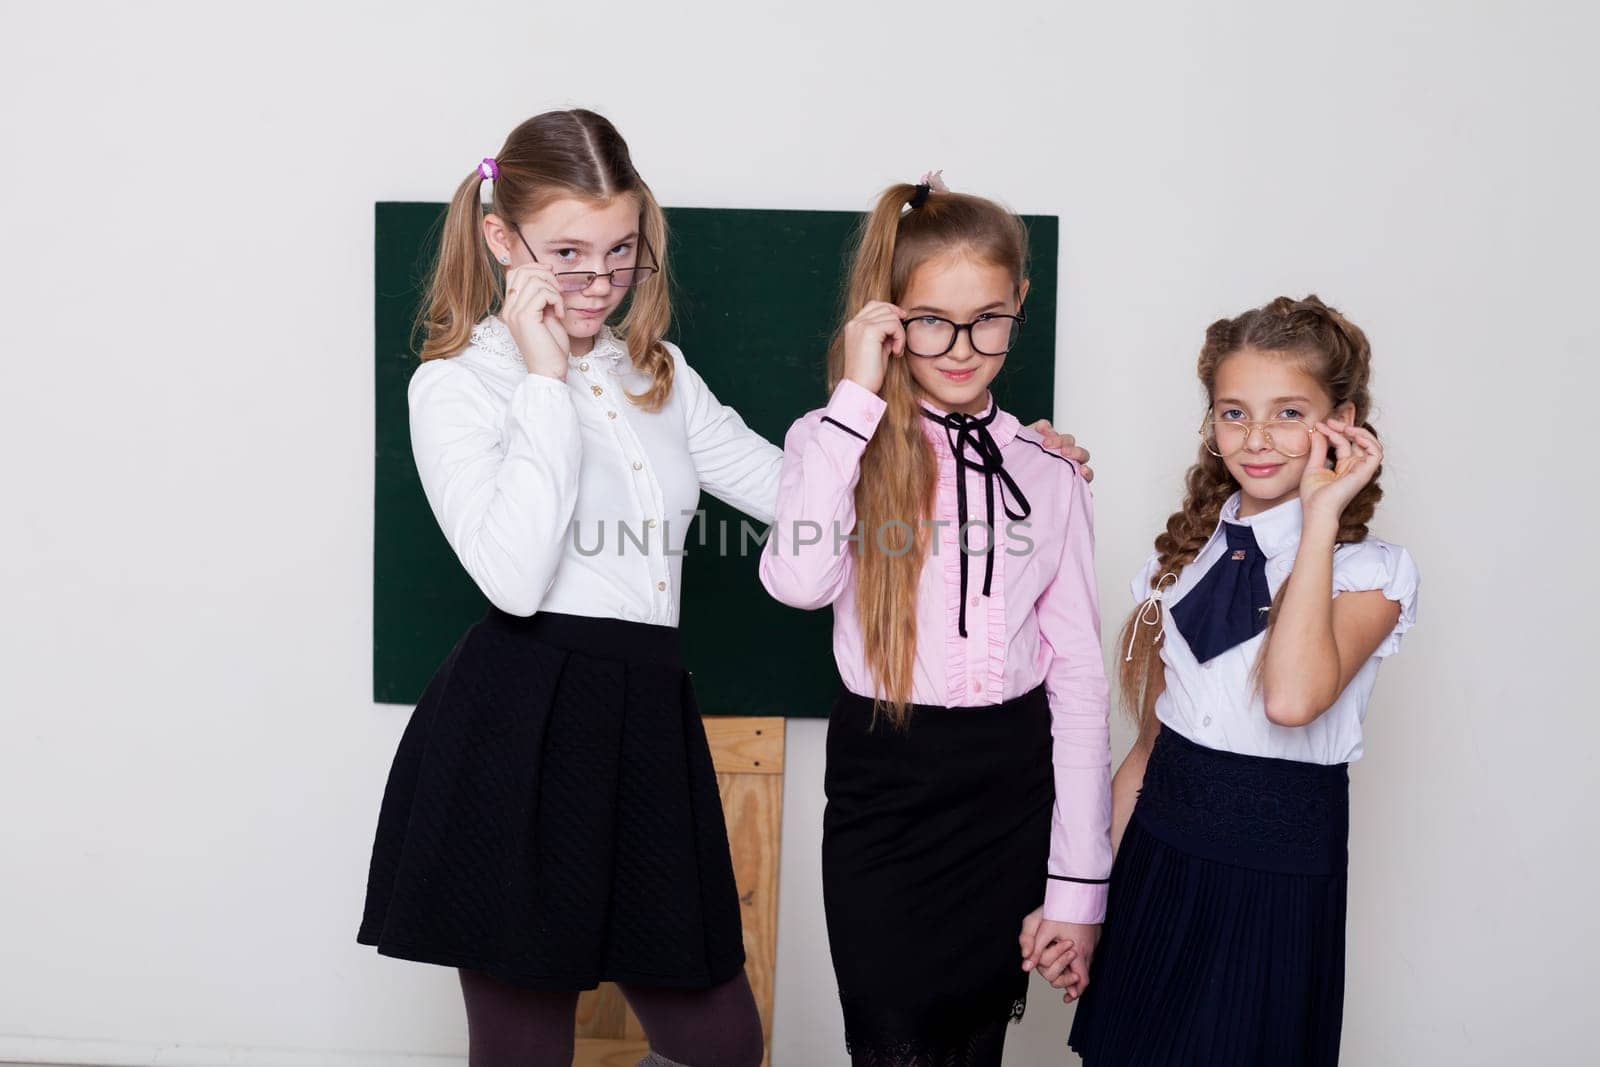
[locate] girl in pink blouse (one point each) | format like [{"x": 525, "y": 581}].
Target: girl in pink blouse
[{"x": 968, "y": 775}]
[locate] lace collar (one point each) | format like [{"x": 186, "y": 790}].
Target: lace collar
[{"x": 494, "y": 337}]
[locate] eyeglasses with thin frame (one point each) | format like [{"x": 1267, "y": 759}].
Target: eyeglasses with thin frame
[
  {"x": 576, "y": 281},
  {"x": 990, "y": 334},
  {"x": 1228, "y": 437}
]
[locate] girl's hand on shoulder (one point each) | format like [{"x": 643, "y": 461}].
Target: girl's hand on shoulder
[
  {"x": 1065, "y": 444},
  {"x": 1325, "y": 491},
  {"x": 875, "y": 334},
  {"x": 532, "y": 311}
]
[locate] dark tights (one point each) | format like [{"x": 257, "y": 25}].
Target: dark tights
[{"x": 511, "y": 1027}]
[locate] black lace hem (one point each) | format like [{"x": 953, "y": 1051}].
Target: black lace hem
[{"x": 968, "y": 1045}]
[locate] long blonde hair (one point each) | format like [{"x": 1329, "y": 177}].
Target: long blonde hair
[
  {"x": 557, "y": 154},
  {"x": 894, "y": 496},
  {"x": 1331, "y": 349}
]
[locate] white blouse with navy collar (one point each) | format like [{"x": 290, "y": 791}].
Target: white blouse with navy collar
[
  {"x": 545, "y": 488},
  {"x": 1215, "y": 703}
]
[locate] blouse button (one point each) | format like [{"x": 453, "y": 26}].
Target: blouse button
[
  {"x": 974, "y": 601},
  {"x": 638, "y": 466},
  {"x": 661, "y": 586},
  {"x": 650, "y": 523},
  {"x": 611, "y": 414},
  {"x": 977, "y": 686},
  {"x": 597, "y": 390},
  {"x": 1207, "y": 721},
  {"x": 583, "y": 366}
]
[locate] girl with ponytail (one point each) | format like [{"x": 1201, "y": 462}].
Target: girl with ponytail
[
  {"x": 552, "y": 818},
  {"x": 968, "y": 758},
  {"x": 1248, "y": 666}
]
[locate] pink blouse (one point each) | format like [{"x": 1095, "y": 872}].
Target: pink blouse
[{"x": 1039, "y": 622}]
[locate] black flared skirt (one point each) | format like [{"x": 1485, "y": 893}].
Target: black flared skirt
[
  {"x": 1224, "y": 935},
  {"x": 935, "y": 845},
  {"x": 552, "y": 815}
]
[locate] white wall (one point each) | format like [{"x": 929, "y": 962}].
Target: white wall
[{"x": 191, "y": 763}]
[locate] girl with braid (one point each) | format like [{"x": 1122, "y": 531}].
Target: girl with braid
[{"x": 1264, "y": 612}]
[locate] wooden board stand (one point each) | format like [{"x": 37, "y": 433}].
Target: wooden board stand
[{"x": 748, "y": 754}]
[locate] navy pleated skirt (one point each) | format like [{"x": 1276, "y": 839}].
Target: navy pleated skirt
[
  {"x": 935, "y": 846},
  {"x": 552, "y": 815},
  {"x": 1224, "y": 935}
]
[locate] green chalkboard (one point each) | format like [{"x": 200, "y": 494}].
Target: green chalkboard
[{"x": 756, "y": 297}]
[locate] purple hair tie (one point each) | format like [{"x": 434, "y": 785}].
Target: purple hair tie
[{"x": 489, "y": 169}]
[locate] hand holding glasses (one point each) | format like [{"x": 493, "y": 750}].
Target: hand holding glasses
[{"x": 532, "y": 310}]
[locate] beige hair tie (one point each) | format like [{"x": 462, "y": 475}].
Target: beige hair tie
[{"x": 1149, "y": 615}]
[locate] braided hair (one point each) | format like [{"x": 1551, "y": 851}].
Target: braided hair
[{"x": 1331, "y": 349}]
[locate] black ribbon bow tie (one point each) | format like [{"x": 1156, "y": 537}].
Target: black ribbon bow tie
[
  {"x": 1229, "y": 605},
  {"x": 976, "y": 450}
]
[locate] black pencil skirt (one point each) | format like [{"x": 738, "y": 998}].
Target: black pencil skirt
[
  {"x": 552, "y": 816},
  {"x": 935, "y": 846},
  {"x": 1224, "y": 935}
]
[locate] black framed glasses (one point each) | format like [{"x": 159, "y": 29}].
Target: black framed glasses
[
  {"x": 576, "y": 281},
  {"x": 990, "y": 334}
]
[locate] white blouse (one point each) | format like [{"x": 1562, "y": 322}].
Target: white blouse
[
  {"x": 564, "y": 496},
  {"x": 1215, "y": 704}
]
